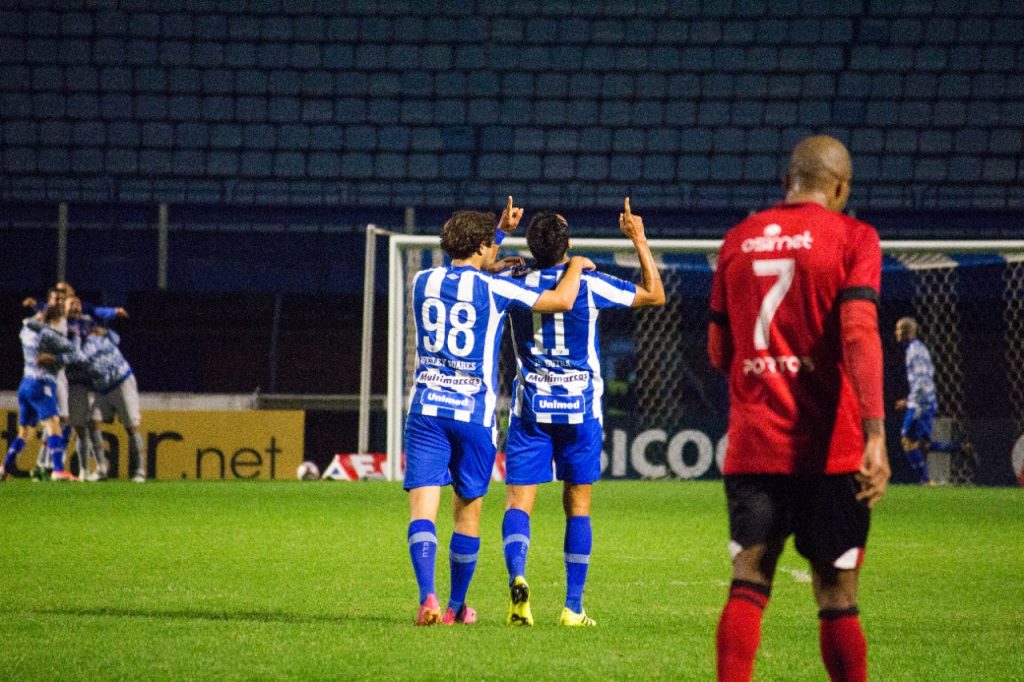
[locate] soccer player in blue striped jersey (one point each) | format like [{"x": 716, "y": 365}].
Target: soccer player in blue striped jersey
[
  {"x": 556, "y": 414},
  {"x": 450, "y": 432},
  {"x": 45, "y": 351}
]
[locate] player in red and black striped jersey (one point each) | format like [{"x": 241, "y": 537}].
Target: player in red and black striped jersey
[{"x": 794, "y": 324}]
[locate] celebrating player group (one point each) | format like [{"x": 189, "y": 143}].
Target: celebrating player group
[
  {"x": 74, "y": 377},
  {"x": 794, "y": 326}
]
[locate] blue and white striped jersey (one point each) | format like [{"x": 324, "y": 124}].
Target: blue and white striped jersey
[
  {"x": 37, "y": 338},
  {"x": 558, "y": 380},
  {"x": 107, "y": 367},
  {"x": 460, "y": 312},
  {"x": 920, "y": 376}
]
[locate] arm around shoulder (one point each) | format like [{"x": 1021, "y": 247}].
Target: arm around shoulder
[{"x": 561, "y": 298}]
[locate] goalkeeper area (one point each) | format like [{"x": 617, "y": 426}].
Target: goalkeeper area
[{"x": 290, "y": 580}]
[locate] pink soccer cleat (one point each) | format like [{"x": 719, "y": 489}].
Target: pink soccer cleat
[
  {"x": 430, "y": 611},
  {"x": 465, "y": 615}
]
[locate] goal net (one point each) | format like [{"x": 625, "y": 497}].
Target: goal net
[{"x": 666, "y": 408}]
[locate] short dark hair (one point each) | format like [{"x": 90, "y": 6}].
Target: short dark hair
[
  {"x": 467, "y": 231},
  {"x": 548, "y": 238},
  {"x": 52, "y": 312}
]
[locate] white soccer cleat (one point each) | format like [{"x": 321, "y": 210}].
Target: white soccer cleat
[{"x": 139, "y": 478}]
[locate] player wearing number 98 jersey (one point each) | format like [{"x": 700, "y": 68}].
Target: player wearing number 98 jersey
[
  {"x": 450, "y": 431},
  {"x": 794, "y": 324}
]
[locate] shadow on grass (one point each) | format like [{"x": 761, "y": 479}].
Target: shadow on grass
[{"x": 188, "y": 614}]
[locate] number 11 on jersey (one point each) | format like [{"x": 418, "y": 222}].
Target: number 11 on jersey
[{"x": 556, "y": 329}]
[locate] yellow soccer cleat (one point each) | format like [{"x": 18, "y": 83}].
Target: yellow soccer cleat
[
  {"x": 571, "y": 619},
  {"x": 519, "y": 603}
]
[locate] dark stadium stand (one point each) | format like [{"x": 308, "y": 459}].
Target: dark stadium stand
[
  {"x": 276, "y": 129},
  {"x": 685, "y": 105}
]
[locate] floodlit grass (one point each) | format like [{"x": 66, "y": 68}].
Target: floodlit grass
[{"x": 312, "y": 580}]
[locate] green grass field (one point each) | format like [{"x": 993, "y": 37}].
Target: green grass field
[{"x": 312, "y": 580}]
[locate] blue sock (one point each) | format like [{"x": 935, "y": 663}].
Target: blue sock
[
  {"x": 919, "y": 465},
  {"x": 17, "y": 445},
  {"x": 463, "y": 552},
  {"x": 55, "y": 444},
  {"x": 578, "y": 541},
  {"x": 422, "y": 550},
  {"x": 515, "y": 532},
  {"x": 65, "y": 436}
]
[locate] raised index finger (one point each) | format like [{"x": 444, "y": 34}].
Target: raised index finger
[
  {"x": 628, "y": 212},
  {"x": 508, "y": 206}
]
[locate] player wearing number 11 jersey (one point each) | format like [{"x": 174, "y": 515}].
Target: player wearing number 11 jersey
[
  {"x": 450, "y": 432},
  {"x": 556, "y": 414},
  {"x": 794, "y": 324}
]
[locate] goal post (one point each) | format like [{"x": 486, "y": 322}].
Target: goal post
[{"x": 666, "y": 407}]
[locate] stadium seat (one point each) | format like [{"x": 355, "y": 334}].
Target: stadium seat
[
  {"x": 1000, "y": 170},
  {"x": 256, "y": 164},
  {"x": 930, "y": 170},
  {"x": 628, "y": 140},
  {"x": 390, "y": 166},
  {"x": 693, "y": 168},
  {"x": 356, "y": 165},
  {"x": 897, "y": 168},
  {"x": 456, "y": 166},
  {"x": 153, "y": 134},
  {"x": 965, "y": 58},
  {"x": 559, "y": 167},
  {"x": 659, "y": 167},
  {"x": 293, "y": 136},
  {"x": 327, "y": 137},
  {"x": 324, "y": 164},
  {"x": 457, "y": 138},
  {"x": 614, "y": 114},
  {"x": 936, "y": 142},
  {"x": 592, "y": 167},
  {"x": 426, "y": 138}
]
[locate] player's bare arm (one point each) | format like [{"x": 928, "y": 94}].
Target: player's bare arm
[
  {"x": 561, "y": 298},
  {"x": 652, "y": 291},
  {"x": 509, "y": 221},
  {"x": 874, "y": 471}
]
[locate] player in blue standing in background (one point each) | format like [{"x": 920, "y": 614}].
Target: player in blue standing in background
[
  {"x": 921, "y": 404},
  {"x": 450, "y": 432},
  {"x": 556, "y": 413}
]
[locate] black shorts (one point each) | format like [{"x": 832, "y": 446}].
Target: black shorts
[{"x": 829, "y": 525}]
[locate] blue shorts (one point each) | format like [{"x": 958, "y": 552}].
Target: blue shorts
[
  {"x": 917, "y": 424},
  {"x": 531, "y": 447},
  {"x": 440, "y": 451},
  {"x": 37, "y": 400}
]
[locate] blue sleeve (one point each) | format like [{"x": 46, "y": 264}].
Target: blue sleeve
[
  {"x": 100, "y": 313},
  {"x": 508, "y": 292},
  {"x": 74, "y": 356},
  {"x": 609, "y": 291}
]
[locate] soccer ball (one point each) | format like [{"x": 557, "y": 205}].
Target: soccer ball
[{"x": 308, "y": 471}]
